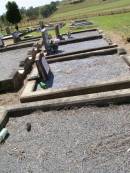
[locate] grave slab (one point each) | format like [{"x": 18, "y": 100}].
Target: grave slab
[{"x": 81, "y": 76}]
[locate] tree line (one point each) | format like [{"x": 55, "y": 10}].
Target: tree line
[{"x": 14, "y": 14}]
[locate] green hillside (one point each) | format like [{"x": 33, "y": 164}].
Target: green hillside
[{"x": 68, "y": 11}]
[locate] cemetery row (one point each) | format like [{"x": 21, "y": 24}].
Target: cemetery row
[{"x": 62, "y": 133}]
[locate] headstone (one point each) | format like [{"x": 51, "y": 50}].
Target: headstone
[
  {"x": 57, "y": 31},
  {"x": 7, "y": 30},
  {"x": 45, "y": 39},
  {"x": 43, "y": 67},
  {"x": 1, "y": 42},
  {"x": 41, "y": 24},
  {"x": 16, "y": 37}
]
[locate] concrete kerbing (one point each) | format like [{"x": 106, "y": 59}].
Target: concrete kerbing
[
  {"x": 96, "y": 99},
  {"x": 86, "y": 50},
  {"x": 16, "y": 47},
  {"x": 29, "y": 95},
  {"x": 122, "y": 51},
  {"x": 103, "y": 98},
  {"x": 4, "y": 117},
  {"x": 15, "y": 82},
  {"x": 126, "y": 59},
  {"x": 80, "y": 39},
  {"x": 87, "y": 30},
  {"x": 83, "y": 55}
]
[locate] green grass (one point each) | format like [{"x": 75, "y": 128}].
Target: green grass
[
  {"x": 88, "y": 7},
  {"x": 67, "y": 29},
  {"x": 34, "y": 34},
  {"x": 119, "y": 23}
]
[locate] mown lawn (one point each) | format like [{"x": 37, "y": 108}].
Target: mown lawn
[
  {"x": 119, "y": 23},
  {"x": 70, "y": 11}
]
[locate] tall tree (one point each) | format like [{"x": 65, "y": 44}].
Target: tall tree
[
  {"x": 49, "y": 9},
  {"x": 13, "y": 14}
]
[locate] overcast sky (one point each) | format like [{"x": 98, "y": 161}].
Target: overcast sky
[{"x": 23, "y": 3}]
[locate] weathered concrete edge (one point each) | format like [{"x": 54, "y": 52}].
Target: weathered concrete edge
[
  {"x": 17, "y": 47},
  {"x": 76, "y": 40},
  {"x": 95, "y": 99},
  {"x": 29, "y": 95},
  {"x": 86, "y": 30},
  {"x": 4, "y": 118},
  {"x": 126, "y": 59},
  {"x": 83, "y": 51},
  {"x": 84, "y": 55}
]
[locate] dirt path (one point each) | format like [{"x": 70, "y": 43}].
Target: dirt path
[
  {"x": 9, "y": 99},
  {"x": 118, "y": 39}
]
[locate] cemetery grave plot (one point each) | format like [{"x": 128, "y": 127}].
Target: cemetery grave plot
[
  {"x": 86, "y": 139},
  {"x": 80, "y": 76},
  {"x": 9, "y": 65},
  {"x": 82, "y": 46},
  {"x": 20, "y": 44},
  {"x": 82, "y": 34}
]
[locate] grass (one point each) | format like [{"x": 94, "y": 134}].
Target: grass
[
  {"x": 34, "y": 34},
  {"x": 86, "y": 8},
  {"x": 119, "y": 23}
]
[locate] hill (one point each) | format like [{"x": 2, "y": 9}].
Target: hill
[{"x": 67, "y": 11}]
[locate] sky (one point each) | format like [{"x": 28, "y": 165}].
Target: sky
[{"x": 23, "y": 3}]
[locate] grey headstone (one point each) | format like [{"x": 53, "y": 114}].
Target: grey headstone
[
  {"x": 1, "y": 42},
  {"x": 45, "y": 38},
  {"x": 43, "y": 67},
  {"x": 57, "y": 31},
  {"x": 16, "y": 36}
]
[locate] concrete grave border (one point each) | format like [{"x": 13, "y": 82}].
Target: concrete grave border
[
  {"x": 74, "y": 40},
  {"x": 16, "y": 79},
  {"x": 29, "y": 95},
  {"x": 83, "y": 51},
  {"x": 94, "y": 99}
]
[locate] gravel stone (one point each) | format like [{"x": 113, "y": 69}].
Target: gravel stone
[
  {"x": 9, "y": 62},
  {"x": 87, "y": 71},
  {"x": 84, "y": 45},
  {"x": 87, "y": 139},
  {"x": 83, "y": 34}
]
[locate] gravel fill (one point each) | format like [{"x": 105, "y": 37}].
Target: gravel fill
[
  {"x": 87, "y": 71},
  {"x": 83, "y": 34},
  {"x": 9, "y": 62},
  {"x": 88, "y": 139},
  {"x": 85, "y": 45}
]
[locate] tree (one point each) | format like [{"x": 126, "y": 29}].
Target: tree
[
  {"x": 32, "y": 13},
  {"x": 49, "y": 9},
  {"x": 13, "y": 14},
  {"x": 23, "y": 12}
]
